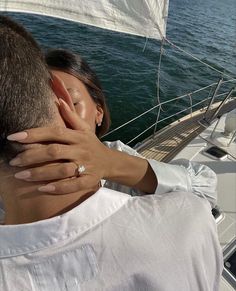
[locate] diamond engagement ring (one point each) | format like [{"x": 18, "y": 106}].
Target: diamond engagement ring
[{"x": 81, "y": 169}]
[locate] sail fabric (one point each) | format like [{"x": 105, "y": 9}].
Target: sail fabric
[{"x": 139, "y": 17}]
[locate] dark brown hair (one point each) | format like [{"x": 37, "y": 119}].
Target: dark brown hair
[
  {"x": 73, "y": 64},
  {"x": 24, "y": 85}
]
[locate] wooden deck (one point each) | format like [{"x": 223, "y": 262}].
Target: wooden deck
[{"x": 169, "y": 141}]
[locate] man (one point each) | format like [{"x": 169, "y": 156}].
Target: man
[{"x": 111, "y": 241}]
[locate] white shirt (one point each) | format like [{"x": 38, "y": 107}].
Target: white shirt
[
  {"x": 116, "y": 242},
  {"x": 182, "y": 176}
]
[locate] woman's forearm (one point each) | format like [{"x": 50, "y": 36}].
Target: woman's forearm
[{"x": 130, "y": 171}]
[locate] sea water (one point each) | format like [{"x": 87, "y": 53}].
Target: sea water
[{"x": 127, "y": 65}]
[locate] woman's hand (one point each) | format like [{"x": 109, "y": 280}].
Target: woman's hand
[{"x": 69, "y": 149}]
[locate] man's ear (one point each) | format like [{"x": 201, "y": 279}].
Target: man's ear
[
  {"x": 60, "y": 90},
  {"x": 99, "y": 115}
]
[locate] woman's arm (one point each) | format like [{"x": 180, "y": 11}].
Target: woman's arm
[
  {"x": 119, "y": 164},
  {"x": 81, "y": 147},
  {"x": 78, "y": 147},
  {"x": 179, "y": 175},
  {"x": 131, "y": 171},
  {"x": 69, "y": 149}
]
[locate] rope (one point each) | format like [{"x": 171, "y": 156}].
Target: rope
[
  {"x": 168, "y": 117},
  {"x": 145, "y": 45},
  {"x": 159, "y": 72},
  {"x": 191, "y": 104},
  {"x": 160, "y": 108},
  {"x": 140, "y": 134},
  {"x": 165, "y": 102},
  {"x": 131, "y": 120},
  {"x": 158, "y": 85},
  {"x": 196, "y": 58}
]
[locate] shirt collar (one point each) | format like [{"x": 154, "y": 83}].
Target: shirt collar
[{"x": 24, "y": 238}]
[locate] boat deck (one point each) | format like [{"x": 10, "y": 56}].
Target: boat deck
[
  {"x": 168, "y": 142},
  {"x": 226, "y": 191},
  {"x": 187, "y": 138}
]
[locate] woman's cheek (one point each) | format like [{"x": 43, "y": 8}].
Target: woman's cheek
[
  {"x": 81, "y": 110},
  {"x": 86, "y": 114}
]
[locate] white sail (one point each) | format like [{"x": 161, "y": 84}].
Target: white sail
[{"x": 139, "y": 17}]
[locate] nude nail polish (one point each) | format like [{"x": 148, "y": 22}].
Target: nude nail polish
[
  {"x": 15, "y": 162},
  {"x": 47, "y": 188},
  {"x": 17, "y": 136},
  {"x": 22, "y": 175}
]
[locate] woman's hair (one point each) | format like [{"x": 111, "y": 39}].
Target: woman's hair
[{"x": 73, "y": 64}]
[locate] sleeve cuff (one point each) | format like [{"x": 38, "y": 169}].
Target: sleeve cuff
[{"x": 170, "y": 178}]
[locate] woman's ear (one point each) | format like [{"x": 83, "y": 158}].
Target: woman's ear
[
  {"x": 99, "y": 115},
  {"x": 60, "y": 90}
]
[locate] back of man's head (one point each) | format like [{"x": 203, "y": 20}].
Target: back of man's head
[{"x": 24, "y": 85}]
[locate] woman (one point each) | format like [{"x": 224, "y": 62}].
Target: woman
[{"x": 85, "y": 110}]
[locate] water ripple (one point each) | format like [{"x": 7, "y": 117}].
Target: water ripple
[{"x": 128, "y": 72}]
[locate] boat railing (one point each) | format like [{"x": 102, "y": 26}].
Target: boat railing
[{"x": 206, "y": 105}]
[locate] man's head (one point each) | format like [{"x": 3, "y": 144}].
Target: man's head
[
  {"x": 25, "y": 94},
  {"x": 28, "y": 97}
]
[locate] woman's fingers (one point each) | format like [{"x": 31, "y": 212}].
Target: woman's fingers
[
  {"x": 84, "y": 182},
  {"x": 49, "y": 172},
  {"x": 55, "y": 134},
  {"x": 72, "y": 118},
  {"x": 59, "y": 88},
  {"x": 67, "y": 114},
  {"x": 46, "y": 134},
  {"x": 46, "y": 153}
]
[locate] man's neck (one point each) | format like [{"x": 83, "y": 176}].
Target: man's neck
[{"x": 24, "y": 204}]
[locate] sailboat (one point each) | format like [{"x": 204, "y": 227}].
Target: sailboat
[{"x": 206, "y": 135}]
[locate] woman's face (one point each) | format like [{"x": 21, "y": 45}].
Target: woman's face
[{"x": 86, "y": 108}]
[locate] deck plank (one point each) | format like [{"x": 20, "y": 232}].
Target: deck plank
[{"x": 168, "y": 142}]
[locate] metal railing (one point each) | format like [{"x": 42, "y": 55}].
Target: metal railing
[{"x": 192, "y": 106}]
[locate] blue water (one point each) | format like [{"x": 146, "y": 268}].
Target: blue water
[{"x": 128, "y": 68}]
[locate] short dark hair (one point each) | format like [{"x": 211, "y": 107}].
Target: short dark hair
[
  {"x": 73, "y": 64},
  {"x": 24, "y": 85}
]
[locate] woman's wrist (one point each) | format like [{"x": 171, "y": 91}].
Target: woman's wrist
[{"x": 130, "y": 171}]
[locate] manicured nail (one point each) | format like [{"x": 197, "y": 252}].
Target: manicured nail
[
  {"x": 17, "y": 136},
  {"x": 23, "y": 175},
  {"x": 15, "y": 162},
  {"x": 47, "y": 188},
  {"x": 65, "y": 104}
]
